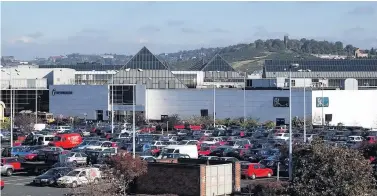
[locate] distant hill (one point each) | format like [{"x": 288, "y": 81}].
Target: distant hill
[{"x": 251, "y": 56}]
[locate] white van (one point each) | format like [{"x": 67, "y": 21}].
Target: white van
[
  {"x": 80, "y": 176},
  {"x": 44, "y": 139},
  {"x": 190, "y": 150}
]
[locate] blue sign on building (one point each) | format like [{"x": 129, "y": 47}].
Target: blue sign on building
[{"x": 322, "y": 102}]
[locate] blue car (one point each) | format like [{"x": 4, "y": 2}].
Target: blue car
[{"x": 18, "y": 151}]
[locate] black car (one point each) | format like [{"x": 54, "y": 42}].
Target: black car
[
  {"x": 49, "y": 178},
  {"x": 221, "y": 151}
]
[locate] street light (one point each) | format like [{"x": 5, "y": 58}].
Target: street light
[
  {"x": 11, "y": 103},
  {"x": 304, "y": 70},
  {"x": 112, "y": 101},
  {"x": 146, "y": 100},
  {"x": 133, "y": 113},
  {"x": 292, "y": 66},
  {"x": 36, "y": 101},
  {"x": 323, "y": 103},
  {"x": 214, "y": 99}
]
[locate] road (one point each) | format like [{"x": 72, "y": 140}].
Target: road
[{"x": 20, "y": 185}]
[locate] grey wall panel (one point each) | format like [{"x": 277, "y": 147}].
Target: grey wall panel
[
  {"x": 84, "y": 99},
  {"x": 229, "y": 103}
]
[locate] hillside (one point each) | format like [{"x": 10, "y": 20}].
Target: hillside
[{"x": 251, "y": 56}]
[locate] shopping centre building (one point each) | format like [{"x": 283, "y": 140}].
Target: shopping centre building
[{"x": 208, "y": 88}]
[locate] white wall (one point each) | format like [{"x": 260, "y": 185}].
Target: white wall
[
  {"x": 350, "y": 107},
  {"x": 53, "y": 76},
  {"x": 84, "y": 99},
  {"x": 229, "y": 103}
]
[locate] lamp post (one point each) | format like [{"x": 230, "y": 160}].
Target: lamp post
[
  {"x": 146, "y": 100},
  {"x": 292, "y": 66},
  {"x": 133, "y": 113},
  {"x": 214, "y": 99},
  {"x": 323, "y": 104},
  {"x": 11, "y": 104},
  {"x": 244, "y": 97},
  {"x": 304, "y": 70},
  {"x": 36, "y": 101}
]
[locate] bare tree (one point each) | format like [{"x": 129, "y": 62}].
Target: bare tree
[
  {"x": 122, "y": 170},
  {"x": 25, "y": 122}
]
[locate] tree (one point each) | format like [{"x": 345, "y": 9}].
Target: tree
[
  {"x": 323, "y": 170},
  {"x": 25, "y": 122},
  {"x": 5, "y": 124},
  {"x": 122, "y": 170},
  {"x": 269, "y": 124},
  {"x": 125, "y": 169},
  {"x": 268, "y": 188},
  {"x": 139, "y": 118}
]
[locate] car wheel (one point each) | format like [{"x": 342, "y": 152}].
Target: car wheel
[
  {"x": 253, "y": 177},
  {"x": 9, "y": 172},
  {"x": 74, "y": 184},
  {"x": 269, "y": 175},
  {"x": 74, "y": 163}
]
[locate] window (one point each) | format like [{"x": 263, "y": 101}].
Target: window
[
  {"x": 262, "y": 166},
  {"x": 256, "y": 167},
  {"x": 82, "y": 174},
  {"x": 293, "y": 82}
]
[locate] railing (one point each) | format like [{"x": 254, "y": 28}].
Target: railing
[{"x": 24, "y": 84}]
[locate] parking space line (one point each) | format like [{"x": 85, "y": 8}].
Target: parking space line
[{"x": 18, "y": 179}]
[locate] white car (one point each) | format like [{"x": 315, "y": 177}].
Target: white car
[
  {"x": 80, "y": 176},
  {"x": 281, "y": 136},
  {"x": 212, "y": 140},
  {"x": 99, "y": 145},
  {"x": 207, "y": 133},
  {"x": 355, "y": 138},
  {"x": 76, "y": 158},
  {"x": 188, "y": 142}
]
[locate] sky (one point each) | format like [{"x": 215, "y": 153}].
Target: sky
[{"x": 43, "y": 29}]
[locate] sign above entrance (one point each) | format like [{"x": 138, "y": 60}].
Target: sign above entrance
[{"x": 55, "y": 92}]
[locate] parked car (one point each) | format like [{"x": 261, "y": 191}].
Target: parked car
[
  {"x": 10, "y": 165},
  {"x": 2, "y": 184},
  {"x": 282, "y": 136},
  {"x": 221, "y": 151},
  {"x": 76, "y": 158},
  {"x": 255, "y": 170},
  {"x": 148, "y": 159},
  {"x": 50, "y": 177},
  {"x": 80, "y": 176},
  {"x": 209, "y": 158}
]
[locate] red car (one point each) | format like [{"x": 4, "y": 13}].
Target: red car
[
  {"x": 204, "y": 151},
  {"x": 2, "y": 184},
  {"x": 255, "y": 170},
  {"x": 371, "y": 139}
]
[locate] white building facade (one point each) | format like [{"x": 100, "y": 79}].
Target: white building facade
[{"x": 349, "y": 107}]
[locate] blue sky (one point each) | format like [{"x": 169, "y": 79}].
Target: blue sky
[{"x": 42, "y": 29}]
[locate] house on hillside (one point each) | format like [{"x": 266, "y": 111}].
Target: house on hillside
[{"x": 360, "y": 53}]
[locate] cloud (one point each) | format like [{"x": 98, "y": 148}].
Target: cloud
[
  {"x": 174, "y": 23},
  {"x": 218, "y": 30},
  {"x": 26, "y": 39},
  {"x": 149, "y": 29},
  {"x": 35, "y": 35},
  {"x": 362, "y": 11},
  {"x": 188, "y": 30}
]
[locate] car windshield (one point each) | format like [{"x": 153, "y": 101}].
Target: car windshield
[
  {"x": 52, "y": 172},
  {"x": 73, "y": 173},
  {"x": 94, "y": 143},
  {"x": 84, "y": 143},
  {"x": 182, "y": 142},
  {"x": 71, "y": 154},
  {"x": 57, "y": 138}
]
